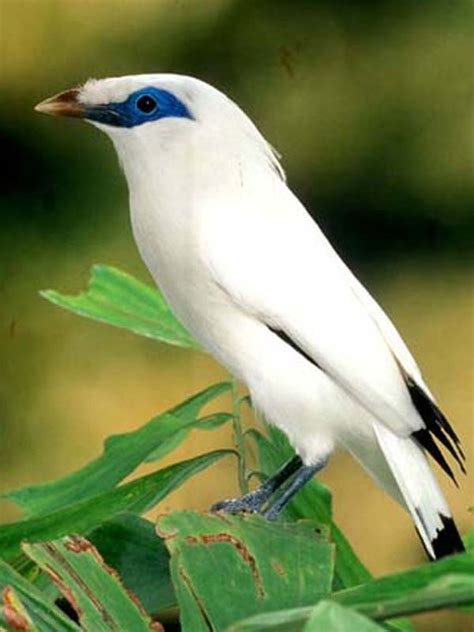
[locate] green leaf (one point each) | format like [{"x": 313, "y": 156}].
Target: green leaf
[
  {"x": 122, "y": 454},
  {"x": 331, "y": 616},
  {"x": 93, "y": 589},
  {"x": 327, "y": 616},
  {"x": 170, "y": 442},
  {"x": 189, "y": 410},
  {"x": 44, "y": 615},
  {"x": 442, "y": 584},
  {"x": 131, "y": 546},
  {"x": 468, "y": 539},
  {"x": 225, "y": 567},
  {"x": 136, "y": 496},
  {"x": 117, "y": 298},
  {"x": 211, "y": 422}
]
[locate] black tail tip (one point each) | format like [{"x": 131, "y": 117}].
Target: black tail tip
[{"x": 447, "y": 540}]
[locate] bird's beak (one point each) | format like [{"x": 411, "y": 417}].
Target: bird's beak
[{"x": 63, "y": 104}]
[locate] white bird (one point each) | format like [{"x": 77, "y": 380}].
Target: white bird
[{"x": 250, "y": 274}]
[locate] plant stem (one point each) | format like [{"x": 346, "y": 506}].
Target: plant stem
[
  {"x": 417, "y": 603},
  {"x": 239, "y": 438},
  {"x": 379, "y": 609}
]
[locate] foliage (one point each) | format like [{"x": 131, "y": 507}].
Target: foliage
[
  {"x": 83, "y": 557},
  {"x": 116, "y": 298}
]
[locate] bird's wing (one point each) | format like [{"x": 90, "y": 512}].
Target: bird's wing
[
  {"x": 276, "y": 264},
  {"x": 435, "y": 423}
]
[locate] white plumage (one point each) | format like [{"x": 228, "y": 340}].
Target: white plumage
[{"x": 250, "y": 274}]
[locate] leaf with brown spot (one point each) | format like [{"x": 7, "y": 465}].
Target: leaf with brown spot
[
  {"x": 94, "y": 589},
  {"x": 15, "y": 613},
  {"x": 24, "y": 605},
  {"x": 225, "y": 570},
  {"x": 446, "y": 583}
]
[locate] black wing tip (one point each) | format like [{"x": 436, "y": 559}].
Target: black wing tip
[
  {"x": 436, "y": 426},
  {"x": 425, "y": 439},
  {"x": 447, "y": 540}
]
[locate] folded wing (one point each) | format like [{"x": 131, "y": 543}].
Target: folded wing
[{"x": 295, "y": 283}]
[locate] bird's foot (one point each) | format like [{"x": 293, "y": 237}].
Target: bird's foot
[
  {"x": 272, "y": 512},
  {"x": 270, "y": 498},
  {"x": 248, "y": 503},
  {"x": 283, "y": 495}
]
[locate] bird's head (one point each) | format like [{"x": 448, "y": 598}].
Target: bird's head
[
  {"x": 148, "y": 114},
  {"x": 131, "y": 107}
]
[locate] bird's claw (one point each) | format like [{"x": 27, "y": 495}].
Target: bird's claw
[{"x": 249, "y": 503}]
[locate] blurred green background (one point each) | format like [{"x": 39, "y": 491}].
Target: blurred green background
[{"x": 370, "y": 105}]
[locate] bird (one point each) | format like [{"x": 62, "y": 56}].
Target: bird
[{"x": 248, "y": 271}]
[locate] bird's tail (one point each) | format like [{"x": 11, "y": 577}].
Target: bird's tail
[{"x": 421, "y": 493}]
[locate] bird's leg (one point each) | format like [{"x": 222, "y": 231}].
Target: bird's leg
[
  {"x": 254, "y": 500},
  {"x": 302, "y": 476}
]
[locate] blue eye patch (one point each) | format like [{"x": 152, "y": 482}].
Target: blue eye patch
[{"x": 142, "y": 106}]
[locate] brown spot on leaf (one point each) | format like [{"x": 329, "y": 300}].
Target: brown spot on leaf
[
  {"x": 65, "y": 590},
  {"x": 61, "y": 560},
  {"x": 278, "y": 567},
  {"x": 78, "y": 544},
  {"x": 241, "y": 549},
  {"x": 14, "y": 619},
  {"x": 222, "y": 517},
  {"x": 164, "y": 535},
  {"x": 187, "y": 581}
]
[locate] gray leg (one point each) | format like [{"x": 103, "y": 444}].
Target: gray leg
[
  {"x": 281, "y": 499},
  {"x": 253, "y": 501}
]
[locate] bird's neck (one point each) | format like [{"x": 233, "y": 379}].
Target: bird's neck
[
  {"x": 174, "y": 191},
  {"x": 173, "y": 186}
]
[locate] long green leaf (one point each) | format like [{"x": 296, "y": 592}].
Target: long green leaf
[
  {"x": 428, "y": 587},
  {"x": 190, "y": 409},
  {"x": 331, "y": 616},
  {"x": 136, "y": 496},
  {"x": 444, "y": 584},
  {"x": 117, "y": 298},
  {"x": 327, "y": 616},
  {"x": 44, "y": 615},
  {"x": 183, "y": 428},
  {"x": 121, "y": 455},
  {"x": 225, "y": 567},
  {"x": 92, "y": 588}
]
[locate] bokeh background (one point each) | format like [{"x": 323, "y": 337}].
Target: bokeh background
[{"x": 370, "y": 105}]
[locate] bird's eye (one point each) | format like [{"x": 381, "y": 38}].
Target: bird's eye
[{"x": 146, "y": 104}]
